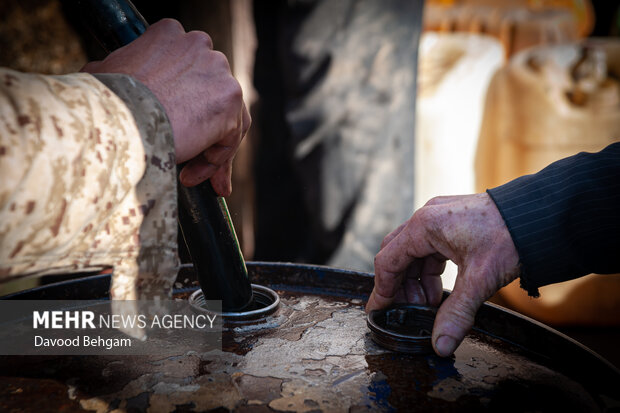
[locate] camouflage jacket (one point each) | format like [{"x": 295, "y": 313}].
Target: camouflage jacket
[{"x": 88, "y": 181}]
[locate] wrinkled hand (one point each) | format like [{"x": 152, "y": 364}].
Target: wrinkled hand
[
  {"x": 465, "y": 229},
  {"x": 202, "y": 99}
]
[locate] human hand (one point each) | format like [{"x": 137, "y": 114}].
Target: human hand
[
  {"x": 202, "y": 99},
  {"x": 469, "y": 231}
]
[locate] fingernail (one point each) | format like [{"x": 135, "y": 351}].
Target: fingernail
[{"x": 445, "y": 345}]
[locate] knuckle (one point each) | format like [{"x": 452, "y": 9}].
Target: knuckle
[
  {"x": 220, "y": 59},
  {"x": 376, "y": 261},
  {"x": 233, "y": 99},
  {"x": 169, "y": 25},
  {"x": 428, "y": 217},
  {"x": 233, "y": 89},
  {"x": 236, "y": 92},
  {"x": 200, "y": 38},
  {"x": 433, "y": 201},
  {"x": 424, "y": 214},
  {"x": 380, "y": 264},
  {"x": 386, "y": 241}
]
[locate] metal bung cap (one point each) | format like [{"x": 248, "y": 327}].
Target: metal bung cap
[{"x": 404, "y": 328}]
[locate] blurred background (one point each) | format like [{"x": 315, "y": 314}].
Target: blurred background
[{"x": 363, "y": 110}]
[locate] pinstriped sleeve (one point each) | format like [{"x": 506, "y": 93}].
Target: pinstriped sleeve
[{"x": 565, "y": 219}]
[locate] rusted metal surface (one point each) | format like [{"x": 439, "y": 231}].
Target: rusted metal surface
[{"x": 313, "y": 354}]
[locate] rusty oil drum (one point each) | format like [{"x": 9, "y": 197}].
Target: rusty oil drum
[{"x": 315, "y": 354}]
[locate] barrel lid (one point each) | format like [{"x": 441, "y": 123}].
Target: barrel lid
[{"x": 403, "y": 328}]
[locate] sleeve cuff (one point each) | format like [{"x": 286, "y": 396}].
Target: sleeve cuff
[
  {"x": 158, "y": 259},
  {"x": 565, "y": 219}
]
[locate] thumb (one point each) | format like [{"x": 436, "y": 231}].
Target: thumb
[
  {"x": 222, "y": 179},
  {"x": 455, "y": 318}
]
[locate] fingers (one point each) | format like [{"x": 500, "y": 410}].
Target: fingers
[
  {"x": 201, "y": 98},
  {"x": 196, "y": 171},
  {"x": 216, "y": 161},
  {"x": 455, "y": 318},
  {"x": 219, "y": 154},
  {"x": 389, "y": 237},
  {"x": 439, "y": 200},
  {"x": 419, "y": 284},
  {"x": 467, "y": 229},
  {"x": 199, "y": 170},
  {"x": 387, "y": 284},
  {"x": 200, "y": 38},
  {"x": 408, "y": 245},
  {"x": 414, "y": 293},
  {"x": 222, "y": 180},
  {"x": 167, "y": 27},
  {"x": 430, "y": 279},
  {"x": 377, "y": 301},
  {"x": 412, "y": 242}
]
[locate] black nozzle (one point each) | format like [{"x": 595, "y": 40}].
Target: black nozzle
[{"x": 212, "y": 244}]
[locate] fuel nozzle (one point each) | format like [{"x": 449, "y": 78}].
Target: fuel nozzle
[{"x": 213, "y": 247}]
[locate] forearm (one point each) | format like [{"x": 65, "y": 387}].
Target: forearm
[
  {"x": 565, "y": 220},
  {"x": 78, "y": 189}
]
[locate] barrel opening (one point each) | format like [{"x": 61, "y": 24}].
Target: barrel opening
[{"x": 264, "y": 303}]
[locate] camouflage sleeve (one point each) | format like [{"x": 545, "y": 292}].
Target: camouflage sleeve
[{"x": 88, "y": 181}]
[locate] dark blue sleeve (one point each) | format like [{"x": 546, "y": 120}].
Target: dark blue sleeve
[{"x": 565, "y": 219}]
